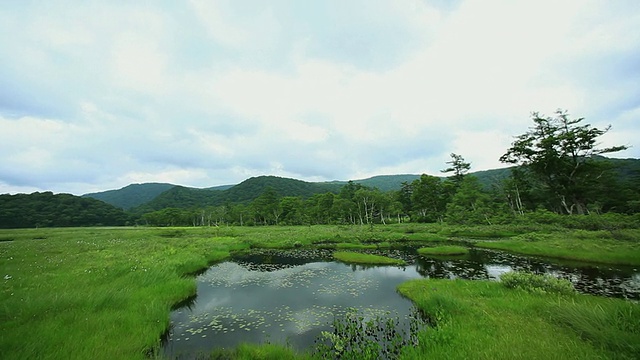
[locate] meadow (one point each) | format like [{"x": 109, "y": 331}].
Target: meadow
[{"x": 107, "y": 292}]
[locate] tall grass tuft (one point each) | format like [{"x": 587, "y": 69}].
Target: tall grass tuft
[
  {"x": 537, "y": 283},
  {"x": 614, "y": 326}
]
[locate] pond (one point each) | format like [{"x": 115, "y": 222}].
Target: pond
[{"x": 291, "y": 296}]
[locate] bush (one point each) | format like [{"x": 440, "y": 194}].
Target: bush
[{"x": 537, "y": 283}]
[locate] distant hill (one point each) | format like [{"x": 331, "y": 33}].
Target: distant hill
[
  {"x": 382, "y": 182},
  {"x": 132, "y": 195},
  {"x": 48, "y": 210},
  {"x": 220, "y": 187},
  {"x": 141, "y": 198},
  {"x": 246, "y": 191},
  {"x": 489, "y": 177}
]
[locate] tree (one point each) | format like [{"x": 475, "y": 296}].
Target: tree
[
  {"x": 458, "y": 167},
  {"x": 559, "y": 153},
  {"x": 403, "y": 196},
  {"x": 267, "y": 206},
  {"x": 428, "y": 198},
  {"x": 470, "y": 204}
]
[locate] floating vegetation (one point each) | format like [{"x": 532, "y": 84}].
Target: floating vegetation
[{"x": 358, "y": 335}]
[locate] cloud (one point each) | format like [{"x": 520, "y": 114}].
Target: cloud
[{"x": 101, "y": 94}]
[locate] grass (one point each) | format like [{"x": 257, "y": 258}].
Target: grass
[
  {"x": 96, "y": 293},
  {"x": 620, "y": 247},
  {"x": 443, "y": 250},
  {"x": 256, "y": 352},
  {"x": 487, "y": 320},
  {"x": 365, "y": 259},
  {"x": 107, "y": 292}
]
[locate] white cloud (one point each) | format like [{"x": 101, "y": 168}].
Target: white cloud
[{"x": 206, "y": 93}]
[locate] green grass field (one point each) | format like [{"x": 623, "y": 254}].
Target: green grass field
[{"x": 93, "y": 293}]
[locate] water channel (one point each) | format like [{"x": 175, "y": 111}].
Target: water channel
[{"x": 291, "y": 296}]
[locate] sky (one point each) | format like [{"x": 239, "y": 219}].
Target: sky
[{"x": 96, "y": 95}]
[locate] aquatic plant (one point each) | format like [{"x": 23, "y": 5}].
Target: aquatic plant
[{"x": 355, "y": 336}]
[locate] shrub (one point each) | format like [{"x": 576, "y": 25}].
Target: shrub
[{"x": 537, "y": 283}]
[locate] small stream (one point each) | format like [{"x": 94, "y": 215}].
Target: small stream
[{"x": 291, "y": 296}]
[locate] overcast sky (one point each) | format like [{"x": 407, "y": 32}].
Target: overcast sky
[{"x": 96, "y": 95}]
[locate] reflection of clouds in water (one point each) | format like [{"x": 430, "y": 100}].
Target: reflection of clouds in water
[
  {"x": 229, "y": 274},
  {"x": 495, "y": 271},
  {"x": 408, "y": 272},
  {"x": 213, "y": 303}
]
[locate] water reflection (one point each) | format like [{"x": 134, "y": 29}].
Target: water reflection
[
  {"x": 291, "y": 296},
  {"x": 602, "y": 280}
]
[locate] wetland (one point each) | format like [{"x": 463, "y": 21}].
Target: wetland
[
  {"x": 114, "y": 291},
  {"x": 292, "y": 296}
]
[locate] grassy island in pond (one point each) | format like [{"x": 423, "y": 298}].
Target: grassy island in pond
[
  {"x": 449, "y": 250},
  {"x": 365, "y": 259}
]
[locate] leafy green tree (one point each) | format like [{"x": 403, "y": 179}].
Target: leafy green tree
[
  {"x": 292, "y": 210},
  {"x": 344, "y": 210},
  {"x": 558, "y": 152},
  {"x": 267, "y": 207},
  {"x": 458, "y": 167},
  {"x": 470, "y": 204},
  {"x": 428, "y": 198},
  {"x": 404, "y": 196}
]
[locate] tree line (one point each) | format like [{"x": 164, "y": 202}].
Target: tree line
[{"x": 558, "y": 169}]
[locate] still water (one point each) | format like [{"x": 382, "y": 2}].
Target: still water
[{"x": 291, "y": 296}]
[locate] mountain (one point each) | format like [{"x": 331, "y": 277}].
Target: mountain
[
  {"x": 220, "y": 187},
  {"x": 48, "y": 210},
  {"x": 254, "y": 187},
  {"x": 382, "y": 182},
  {"x": 489, "y": 177},
  {"x": 245, "y": 192},
  {"x": 132, "y": 195},
  {"x": 148, "y": 197}
]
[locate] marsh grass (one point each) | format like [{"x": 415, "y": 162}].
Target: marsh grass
[
  {"x": 612, "y": 326},
  {"x": 96, "y": 293},
  {"x": 107, "y": 292},
  {"x": 537, "y": 283},
  {"x": 450, "y": 250},
  {"x": 366, "y": 259},
  {"x": 254, "y": 351},
  {"x": 581, "y": 245},
  {"x": 487, "y": 320}
]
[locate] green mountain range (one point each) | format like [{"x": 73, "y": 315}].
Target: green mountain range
[
  {"x": 132, "y": 195},
  {"x": 141, "y": 198}
]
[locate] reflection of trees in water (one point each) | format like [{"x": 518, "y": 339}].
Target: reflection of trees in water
[
  {"x": 489, "y": 264},
  {"x": 479, "y": 264},
  {"x": 268, "y": 260},
  {"x": 451, "y": 269}
]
